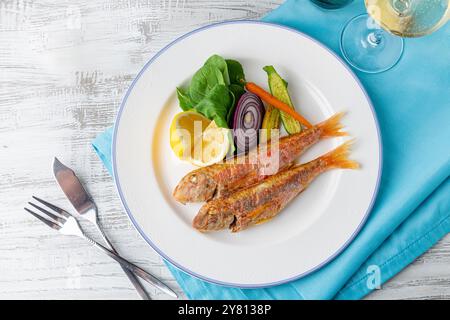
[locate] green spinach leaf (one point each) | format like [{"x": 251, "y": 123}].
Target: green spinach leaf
[
  {"x": 184, "y": 99},
  {"x": 203, "y": 81},
  {"x": 214, "y": 90},
  {"x": 220, "y": 63},
  {"x": 236, "y": 72},
  {"x": 215, "y": 105}
]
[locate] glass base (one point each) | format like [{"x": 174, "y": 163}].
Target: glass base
[
  {"x": 331, "y": 4},
  {"x": 369, "y": 48}
]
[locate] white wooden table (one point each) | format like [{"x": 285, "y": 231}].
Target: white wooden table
[{"x": 64, "y": 67}]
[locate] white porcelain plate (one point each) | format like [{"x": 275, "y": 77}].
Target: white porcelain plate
[{"x": 315, "y": 227}]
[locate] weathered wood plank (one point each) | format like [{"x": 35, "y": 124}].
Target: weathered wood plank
[{"x": 64, "y": 68}]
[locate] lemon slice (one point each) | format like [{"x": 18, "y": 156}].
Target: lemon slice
[
  {"x": 211, "y": 147},
  {"x": 186, "y": 128}
]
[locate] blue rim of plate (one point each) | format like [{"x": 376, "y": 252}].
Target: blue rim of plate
[{"x": 170, "y": 260}]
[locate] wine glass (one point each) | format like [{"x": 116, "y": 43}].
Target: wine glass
[{"x": 369, "y": 48}]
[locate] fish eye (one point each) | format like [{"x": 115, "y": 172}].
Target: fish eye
[{"x": 193, "y": 179}]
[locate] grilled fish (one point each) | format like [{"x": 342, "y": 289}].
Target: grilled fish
[
  {"x": 263, "y": 201},
  {"x": 221, "y": 180}
]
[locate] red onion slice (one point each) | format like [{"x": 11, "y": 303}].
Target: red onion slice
[{"x": 248, "y": 117}]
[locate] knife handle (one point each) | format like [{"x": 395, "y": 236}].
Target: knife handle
[
  {"x": 138, "y": 271},
  {"x": 131, "y": 276}
]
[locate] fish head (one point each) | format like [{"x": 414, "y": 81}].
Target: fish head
[
  {"x": 196, "y": 186},
  {"x": 213, "y": 217}
]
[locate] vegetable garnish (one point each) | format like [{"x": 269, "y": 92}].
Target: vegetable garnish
[
  {"x": 270, "y": 99},
  {"x": 214, "y": 90},
  {"x": 212, "y": 146},
  {"x": 219, "y": 92},
  {"x": 196, "y": 139},
  {"x": 185, "y": 128},
  {"x": 247, "y": 121},
  {"x": 278, "y": 88}
]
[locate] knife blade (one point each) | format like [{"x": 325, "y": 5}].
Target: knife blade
[{"x": 72, "y": 188}]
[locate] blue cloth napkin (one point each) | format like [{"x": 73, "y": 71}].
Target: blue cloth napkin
[{"x": 412, "y": 211}]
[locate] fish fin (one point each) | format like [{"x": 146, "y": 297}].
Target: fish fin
[
  {"x": 338, "y": 158},
  {"x": 332, "y": 126}
]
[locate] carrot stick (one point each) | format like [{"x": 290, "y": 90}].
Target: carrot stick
[{"x": 270, "y": 99}]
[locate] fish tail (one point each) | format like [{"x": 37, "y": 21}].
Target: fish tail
[
  {"x": 332, "y": 126},
  {"x": 338, "y": 158}
]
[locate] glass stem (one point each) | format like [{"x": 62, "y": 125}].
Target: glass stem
[{"x": 375, "y": 38}]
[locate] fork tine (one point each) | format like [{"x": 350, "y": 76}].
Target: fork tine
[
  {"x": 47, "y": 222},
  {"x": 48, "y": 213},
  {"x": 52, "y": 206}
]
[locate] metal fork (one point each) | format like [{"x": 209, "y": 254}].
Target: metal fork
[
  {"x": 66, "y": 224},
  {"x": 86, "y": 209}
]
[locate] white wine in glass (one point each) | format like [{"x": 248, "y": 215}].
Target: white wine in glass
[
  {"x": 409, "y": 18},
  {"x": 371, "y": 49}
]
